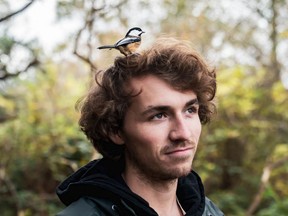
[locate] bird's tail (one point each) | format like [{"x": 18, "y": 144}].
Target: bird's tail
[{"x": 106, "y": 47}]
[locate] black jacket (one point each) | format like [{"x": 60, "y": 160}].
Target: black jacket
[{"x": 98, "y": 189}]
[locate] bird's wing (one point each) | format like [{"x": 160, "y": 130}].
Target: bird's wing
[{"x": 127, "y": 40}]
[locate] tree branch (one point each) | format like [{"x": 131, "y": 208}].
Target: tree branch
[
  {"x": 88, "y": 25},
  {"x": 91, "y": 16},
  {"x": 6, "y": 75},
  {"x": 264, "y": 182},
  {"x": 17, "y": 12},
  {"x": 76, "y": 50}
]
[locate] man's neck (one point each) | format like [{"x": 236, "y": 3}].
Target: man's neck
[{"x": 161, "y": 195}]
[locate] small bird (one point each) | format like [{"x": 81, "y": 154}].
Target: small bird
[{"x": 129, "y": 43}]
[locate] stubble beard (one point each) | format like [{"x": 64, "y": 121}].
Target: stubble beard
[{"x": 157, "y": 172}]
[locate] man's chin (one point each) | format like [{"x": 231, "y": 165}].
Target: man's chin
[{"x": 176, "y": 173}]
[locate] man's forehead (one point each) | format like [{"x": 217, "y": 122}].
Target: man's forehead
[
  {"x": 151, "y": 89},
  {"x": 136, "y": 84},
  {"x": 150, "y": 80}
]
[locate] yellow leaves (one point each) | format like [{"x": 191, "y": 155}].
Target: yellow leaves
[
  {"x": 45, "y": 109},
  {"x": 284, "y": 34},
  {"x": 235, "y": 91},
  {"x": 279, "y": 94},
  {"x": 7, "y": 109},
  {"x": 8, "y": 104},
  {"x": 281, "y": 150},
  {"x": 280, "y": 172}
]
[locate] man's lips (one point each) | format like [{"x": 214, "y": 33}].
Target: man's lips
[{"x": 179, "y": 150}]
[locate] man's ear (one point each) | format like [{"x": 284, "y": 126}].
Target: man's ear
[{"x": 117, "y": 138}]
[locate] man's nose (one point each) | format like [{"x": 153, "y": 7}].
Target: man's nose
[{"x": 180, "y": 129}]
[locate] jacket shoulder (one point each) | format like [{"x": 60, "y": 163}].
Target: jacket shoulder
[
  {"x": 83, "y": 206},
  {"x": 211, "y": 209}
]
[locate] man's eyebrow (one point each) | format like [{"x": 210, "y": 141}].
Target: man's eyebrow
[
  {"x": 192, "y": 102},
  {"x": 160, "y": 108},
  {"x": 151, "y": 109}
]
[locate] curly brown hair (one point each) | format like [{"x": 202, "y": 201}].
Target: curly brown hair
[{"x": 174, "y": 61}]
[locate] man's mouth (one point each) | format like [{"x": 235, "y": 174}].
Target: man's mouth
[{"x": 180, "y": 151}]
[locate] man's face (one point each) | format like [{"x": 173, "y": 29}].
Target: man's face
[{"x": 161, "y": 129}]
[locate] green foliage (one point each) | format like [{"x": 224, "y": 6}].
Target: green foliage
[
  {"x": 250, "y": 128},
  {"x": 276, "y": 208},
  {"x": 6, "y": 44},
  {"x": 43, "y": 144}
]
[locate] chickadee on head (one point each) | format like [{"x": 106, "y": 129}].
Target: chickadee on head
[{"x": 135, "y": 32}]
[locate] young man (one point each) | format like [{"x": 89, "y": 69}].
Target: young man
[{"x": 144, "y": 116}]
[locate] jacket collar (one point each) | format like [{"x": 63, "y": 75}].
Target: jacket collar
[{"x": 102, "y": 178}]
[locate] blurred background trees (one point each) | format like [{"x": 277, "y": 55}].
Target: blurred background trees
[{"x": 243, "y": 154}]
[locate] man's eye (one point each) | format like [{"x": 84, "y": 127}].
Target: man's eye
[
  {"x": 192, "y": 110},
  {"x": 159, "y": 116}
]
